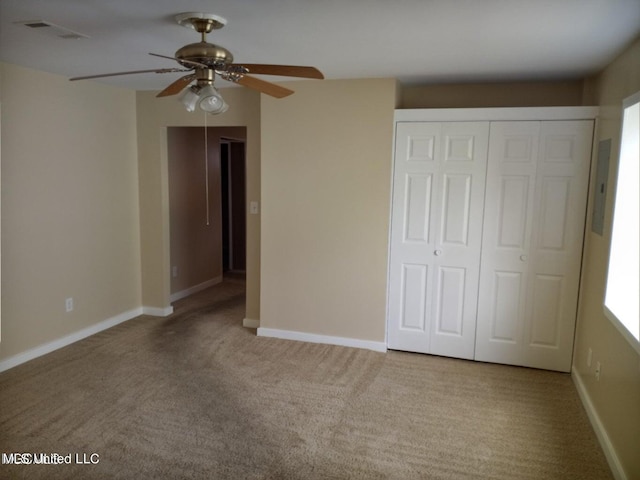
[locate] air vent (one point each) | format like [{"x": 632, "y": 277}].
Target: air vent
[
  {"x": 37, "y": 24},
  {"x": 52, "y": 29}
]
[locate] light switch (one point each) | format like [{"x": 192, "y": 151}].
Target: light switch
[{"x": 253, "y": 208}]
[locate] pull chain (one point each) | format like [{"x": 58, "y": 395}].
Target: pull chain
[{"x": 206, "y": 168}]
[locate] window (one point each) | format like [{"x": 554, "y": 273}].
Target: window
[{"x": 621, "y": 298}]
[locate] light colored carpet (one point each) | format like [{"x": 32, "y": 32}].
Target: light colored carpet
[{"x": 195, "y": 395}]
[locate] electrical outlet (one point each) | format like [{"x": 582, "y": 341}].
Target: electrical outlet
[
  {"x": 598, "y": 370},
  {"x": 68, "y": 304},
  {"x": 174, "y": 272},
  {"x": 589, "y": 355}
]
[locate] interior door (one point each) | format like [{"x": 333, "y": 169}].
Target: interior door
[
  {"x": 416, "y": 169},
  {"x": 458, "y": 234},
  {"x": 556, "y": 250},
  {"x": 233, "y": 173},
  {"x": 238, "y": 206},
  {"x": 511, "y": 176},
  {"x": 532, "y": 242},
  {"x": 438, "y": 192}
]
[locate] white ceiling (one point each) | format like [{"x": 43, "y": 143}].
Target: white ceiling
[{"x": 417, "y": 41}]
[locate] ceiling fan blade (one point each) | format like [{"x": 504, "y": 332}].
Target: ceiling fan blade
[
  {"x": 264, "y": 87},
  {"x": 188, "y": 62},
  {"x": 284, "y": 70},
  {"x": 155, "y": 70},
  {"x": 177, "y": 86}
]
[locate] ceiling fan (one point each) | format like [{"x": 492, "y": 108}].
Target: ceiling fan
[{"x": 206, "y": 60}]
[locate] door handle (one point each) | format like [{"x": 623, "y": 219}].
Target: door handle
[
  {"x": 437, "y": 253},
  {"x": 523, "y": 258}
]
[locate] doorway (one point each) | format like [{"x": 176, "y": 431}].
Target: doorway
[
  {"x": 196, "y": 158},
  {"x": 233, "y": 180}
]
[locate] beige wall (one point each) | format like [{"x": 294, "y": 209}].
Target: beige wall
[
  {"x": 70, "y": 224},
  {"x": 326, "y": 164},
  {"x": 154, "y": 116},
  {"x": 325, "y": 188},
  {"x": 481, "y": 95},
  {"x": 196, "y": 238},
  {"x": 616, "y": 396}
]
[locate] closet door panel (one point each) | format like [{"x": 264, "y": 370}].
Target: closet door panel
[
  {"x": 553, "y": 213},
  {"x": 415, "y": 174},
  {"x": 458, "y": 238},
  {"x": 414, "y": 301},
  {"x": 450, "y": 301},
  {"x": 438, "y": 191},
  {"x": 509, "y": 211},
  {"x": 547, "y": 260},
  {"x": 505, "y": 307},
  {"x": 512, "y": 222},
  {"x": 417, "y": 205},
  {"x": 556, "y": 250},
  {"x": 456, "y": 209},
  {"x": 547, "y": 311}
]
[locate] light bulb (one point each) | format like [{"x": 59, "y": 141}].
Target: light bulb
[{"x": 211, "y": 101}]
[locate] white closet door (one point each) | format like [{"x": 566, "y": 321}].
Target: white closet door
[
  {"x": 412, "y": 240},
  {"x": 532, "y": 242},
  {"x": 458, "y": 237},
  {"x": 439, "y": 174},
  {"x": 511, "y": 175},
  {"x": 556, "y": 250}
]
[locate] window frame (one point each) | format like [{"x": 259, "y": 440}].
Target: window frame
[{"x": 620, "y": 325}]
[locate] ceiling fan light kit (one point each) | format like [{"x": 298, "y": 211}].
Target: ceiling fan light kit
[
  {"x": 189, "y": 98},
  {"x": 207, "y": 98},
  {"x": 204, "y": 60}
]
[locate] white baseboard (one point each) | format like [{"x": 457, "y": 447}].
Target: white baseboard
[
  {"x": 598, "y": 427},
  {"x": 327, "y": 339},
  {"x": 250, "y": 323},
  {"x": 49, "y": 347},
  {"x": 195, "y": 289},
  {"x": 157, "y": 312}
]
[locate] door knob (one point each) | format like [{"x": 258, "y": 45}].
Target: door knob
[
  {"x": 523, "y": 258},
  {"x": 437, "y": 253}
]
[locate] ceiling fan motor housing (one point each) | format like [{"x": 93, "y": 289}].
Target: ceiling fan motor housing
[{"x": 206, "y": 53}]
